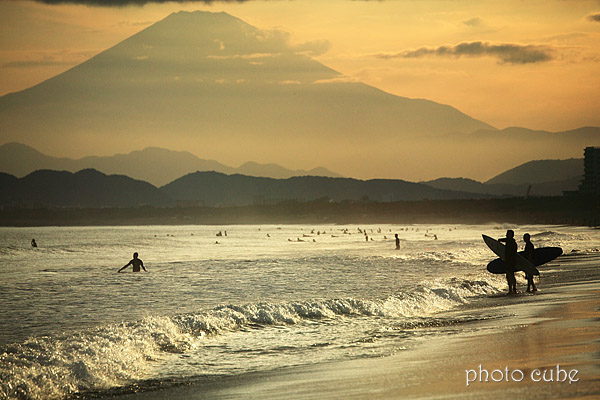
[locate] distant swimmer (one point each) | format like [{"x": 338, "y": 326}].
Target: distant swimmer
[
  {"x": 33, "y": 243},
  {"x": 397, "y": 242},
  {"x": 136, "y": 263}
]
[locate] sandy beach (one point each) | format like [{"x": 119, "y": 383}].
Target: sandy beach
[{"x": 542, "y": 346}]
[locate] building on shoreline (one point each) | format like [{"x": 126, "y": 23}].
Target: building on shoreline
[{"x": 590, "y": 184}]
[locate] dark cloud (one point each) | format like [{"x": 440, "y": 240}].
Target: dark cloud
[
  {"x": 506, "y": 53},
  {"x": 121, "y": 3},
  {"x": 594, "y": 17}
]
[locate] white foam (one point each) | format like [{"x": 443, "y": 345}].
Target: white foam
[{"x": 117, "y": 355}]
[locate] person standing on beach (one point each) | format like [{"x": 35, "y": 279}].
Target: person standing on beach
[
  {"x": 510, "y": 259},
  {"x": 136, "y": 263},
  {"x": 397, "y": 242},
  {"x": 528, "y": 254}
]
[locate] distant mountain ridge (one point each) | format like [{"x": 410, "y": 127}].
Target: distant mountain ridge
[
  {"x": 212, "y": 188},
  {"x": 161, "y": 166},
  {"x": 92, "y": 189},
  {"x": 154, "y": 165},
  {"x": 536, "y": 178},
  {"x": 86, "y": 188},
  {"x": 541, "y": 171}
]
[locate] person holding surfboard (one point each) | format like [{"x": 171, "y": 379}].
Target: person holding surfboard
[
  {"x": 528, "y": 254},
  {"x": 510, "y": 260},
  {"x": 136, "y": 263}
]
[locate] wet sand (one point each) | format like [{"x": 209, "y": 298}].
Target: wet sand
[{"x": 548, "y": 342}]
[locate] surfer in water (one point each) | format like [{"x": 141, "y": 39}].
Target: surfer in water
[
  {"x": 528, "y": 254},
  {"x": 136, "y": 263},
  {"x": 33, "y": 243},
  {"x": 397, "y": 242},
  {"x": 510, "y": 260}
]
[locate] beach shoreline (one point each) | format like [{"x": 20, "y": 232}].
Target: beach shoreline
[
  {"x": 578, "y": 211},
  {"x": 533, "y": 338}
]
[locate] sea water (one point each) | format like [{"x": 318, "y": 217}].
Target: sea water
[{"x": 228, "y": 300}]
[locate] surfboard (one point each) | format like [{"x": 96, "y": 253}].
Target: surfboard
[
  {"x": 541, "y": 256},
  {"x": 522, "y": 263}
]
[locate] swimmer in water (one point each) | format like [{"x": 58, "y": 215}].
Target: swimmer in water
[{"x": 136, "y": 263}]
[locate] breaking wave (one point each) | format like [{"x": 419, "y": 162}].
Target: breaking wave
[{"x": 118, "y": 355}]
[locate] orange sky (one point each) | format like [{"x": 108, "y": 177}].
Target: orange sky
[{"x": 512, "y": 63}]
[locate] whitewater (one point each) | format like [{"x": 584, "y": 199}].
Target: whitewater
[{"x": 222, "y": 301}]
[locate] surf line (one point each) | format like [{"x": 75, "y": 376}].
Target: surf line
[{"x": 516, "y": 375}]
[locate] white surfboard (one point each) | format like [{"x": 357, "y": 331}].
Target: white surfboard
[{"x": 500, "y": 250}]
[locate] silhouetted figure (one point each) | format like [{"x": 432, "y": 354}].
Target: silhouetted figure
[
  {"x": 397, "y": 242},
  {"x": 136, "y": 263},
  {"x": 510, "y": 259},
  {"x": 528, "y": 254},
  {"x": 33, "y": 243}
]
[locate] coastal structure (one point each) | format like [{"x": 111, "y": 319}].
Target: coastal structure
[{"x": 590, "y": 185}]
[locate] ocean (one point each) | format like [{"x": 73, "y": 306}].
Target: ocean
[{"x": 222, "y": 301}]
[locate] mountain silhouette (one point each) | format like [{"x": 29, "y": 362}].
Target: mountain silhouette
[
  {"x": 540, "y": 171},
  {"x": 86, "y": 188},
  {"x": 154, "y": 165},
  {"x": 211, "y": 84},
  {"x": 92, "y": 189},
  {"x": 216, "y": 189},
  {"x": 546, "y": 178}
]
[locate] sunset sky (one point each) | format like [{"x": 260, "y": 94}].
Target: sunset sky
[{"x": 530, "y": 63}]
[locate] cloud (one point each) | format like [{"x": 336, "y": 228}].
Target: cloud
[
  {"x": 134, "y": 24},
  {"x": 337, "y": 79},
  {"x": 506, "y": 53},
  {"x": 474, "y": 22},
  {"x": 122, "y": 3},
  {"x": 314, "y": 48},
  {"x": 594, "y": 17},
  {"x": 252, "y": 56},
  {"x": 48, "y": 59},
  {"x": 35, "y": 63}
]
